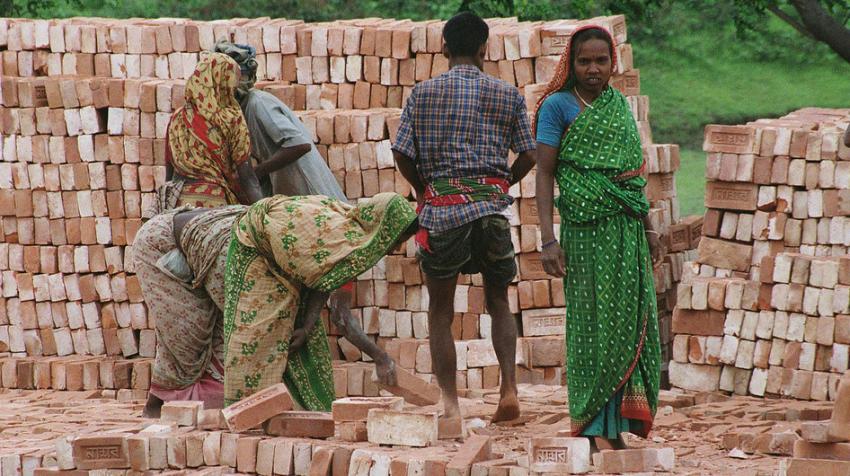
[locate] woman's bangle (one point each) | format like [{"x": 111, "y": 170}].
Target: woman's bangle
[
  {"x": 550, "y": 243},
  {"x": 653, "y": 232}
]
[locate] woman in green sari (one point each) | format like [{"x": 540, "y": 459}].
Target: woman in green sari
[
  {"x": 588, "y": 142},
  {"x": 286, "y": 255}
]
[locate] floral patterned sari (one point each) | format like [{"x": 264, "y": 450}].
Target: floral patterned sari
[{"x": 282, "y": 249}]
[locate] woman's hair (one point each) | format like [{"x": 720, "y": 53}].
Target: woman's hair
[
  {"x": 564, "y": 76},
  {"x": 465, "y": 33}
]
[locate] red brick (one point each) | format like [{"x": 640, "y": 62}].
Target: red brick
[
  {"x": 183, "y": 413},
  {"x": 388, "y": 427},
  {"x": 246, "y": 454},
  {"x": 139, "y": 452},
  {"x": 301, "y": 424},
  {"x": 351, "y": 431},
  {"x": 836, "y": 451},
  {"x": 211, "y": 419},
  {"x": 839, "y": 424},
  {"x": 357, "y": 408},
  {"x": 701, "y": 323},
  {"x": 731, "y": 196},
  {"x": 730, "y": 139},
  {"x": 635, "y": 460},
  {"x": 559, "y": 455},
  {"x": 341, "y": 461},
  {"x": 257, "y": 408},
  {"x": 809, "y": 467},
  {"x": 476, "y": 448},
  {"x": 725, "y": 255},
  {"x": 413, "y": 389},
  {"x": 102, "y": 451},
  {"x": 321, "y": 462}
]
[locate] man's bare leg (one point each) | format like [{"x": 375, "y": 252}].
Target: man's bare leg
[
  {"x": 504, "y": 342},
  {"x": 441, "y": 341}
]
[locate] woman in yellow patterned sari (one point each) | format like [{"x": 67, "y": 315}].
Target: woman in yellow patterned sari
[
  {"x": 208, "y": 145},
  {"x": 286, "y": 255}
]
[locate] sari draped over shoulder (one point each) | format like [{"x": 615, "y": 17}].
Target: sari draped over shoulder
[
  {"x": 281, "y": 250},
  {"x": 613, "y": 349}
]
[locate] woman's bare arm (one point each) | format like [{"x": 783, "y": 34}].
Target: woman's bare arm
[
  {"x": 249, "y": 182},
  {"x": 552, "y": 254}
]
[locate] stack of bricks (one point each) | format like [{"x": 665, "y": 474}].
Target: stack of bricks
[
  {"x": 262, "y": 435},
  {"x": 86, "y": 106},
  {"x": 825, "y": 446},
  {"x": 764, "y": 308}
]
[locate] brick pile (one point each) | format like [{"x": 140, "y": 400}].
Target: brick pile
[
  {"x": 261, "y": 435},
  {"x": 709, "y": 432},
  {"x": 825, "y": 445},
  {"x": 765, "y": 307},
  {"x": 86, "y": 106}
]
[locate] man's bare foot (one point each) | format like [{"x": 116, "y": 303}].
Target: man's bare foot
[
  {"x": 508, "y": 409},
  {"x": 449, "y": 428},
  {"x": 451, "y": 408},
  {"x": 606, "y": 444},
  {"x": 153, "y": 407}
]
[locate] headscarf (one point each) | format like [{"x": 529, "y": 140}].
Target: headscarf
[
  {"x": 561, "y": 78},
  {"x": 208, "y": 137},
  {"x": 245, "y": 56}
]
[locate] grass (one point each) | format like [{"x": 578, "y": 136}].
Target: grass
[
  {"x": 690, "y": 94},
  {"x": 690, "y": 182},
  {"x": 711, "y": 79}
]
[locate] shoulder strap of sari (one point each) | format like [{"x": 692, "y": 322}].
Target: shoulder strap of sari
[
  {"x": 600, "y": 158},
  {"x": 604, "y": 136}
]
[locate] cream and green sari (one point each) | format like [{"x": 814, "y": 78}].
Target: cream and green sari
[{"x": 282, "y": 249}]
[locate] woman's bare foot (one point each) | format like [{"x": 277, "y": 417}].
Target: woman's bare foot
[
  {"x": 593, "y": 447},
  {"x": 508, "y": 409},
  {"x": 153, "y": 407}
]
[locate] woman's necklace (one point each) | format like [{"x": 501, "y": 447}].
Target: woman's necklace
[{"x": 586, "y": 104}]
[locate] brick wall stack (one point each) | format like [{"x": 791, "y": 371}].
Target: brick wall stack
[
  {"x": 764, "y": 308},
  {"x": 86, "y": 103}
]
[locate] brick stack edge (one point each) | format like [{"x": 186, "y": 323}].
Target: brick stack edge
[
  {"x": 86, "y": 103},
  {"x": 765, "y": 307}
]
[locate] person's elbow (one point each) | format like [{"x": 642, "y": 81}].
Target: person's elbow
[
  {"x": 302, "y": 149},
  {"x": 400, "y": 157},
  {"x": 529, "y": 156}
]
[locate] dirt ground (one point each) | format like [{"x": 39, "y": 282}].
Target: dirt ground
[{"x": 30, "y": 421}]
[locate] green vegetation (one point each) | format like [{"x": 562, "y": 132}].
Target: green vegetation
[
  {"x": 697, "y": 64},
  {"x": 703, "y": 74},
  {"x": 690, "y": 182}
]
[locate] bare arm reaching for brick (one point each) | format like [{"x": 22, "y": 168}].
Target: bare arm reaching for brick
[{"x": 340, "y": 315}]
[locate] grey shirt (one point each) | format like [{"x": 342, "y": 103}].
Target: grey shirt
[{"x": 272, "y": 125}]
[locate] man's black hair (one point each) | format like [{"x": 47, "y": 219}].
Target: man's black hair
[{"x": 464, "y": 34}]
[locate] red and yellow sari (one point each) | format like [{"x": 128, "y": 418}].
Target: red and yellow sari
[{"x": 208, "y": 138}]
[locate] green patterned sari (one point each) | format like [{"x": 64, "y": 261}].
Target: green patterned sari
[
  {"x": 282, "y": 249},
  {"x": 613, "y": 349}
]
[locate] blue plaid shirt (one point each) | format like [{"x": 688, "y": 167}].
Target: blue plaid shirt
[{"x": 461, "y": 125}]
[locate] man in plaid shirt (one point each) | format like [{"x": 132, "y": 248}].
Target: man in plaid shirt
[{"x": 452, "y": 146}]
